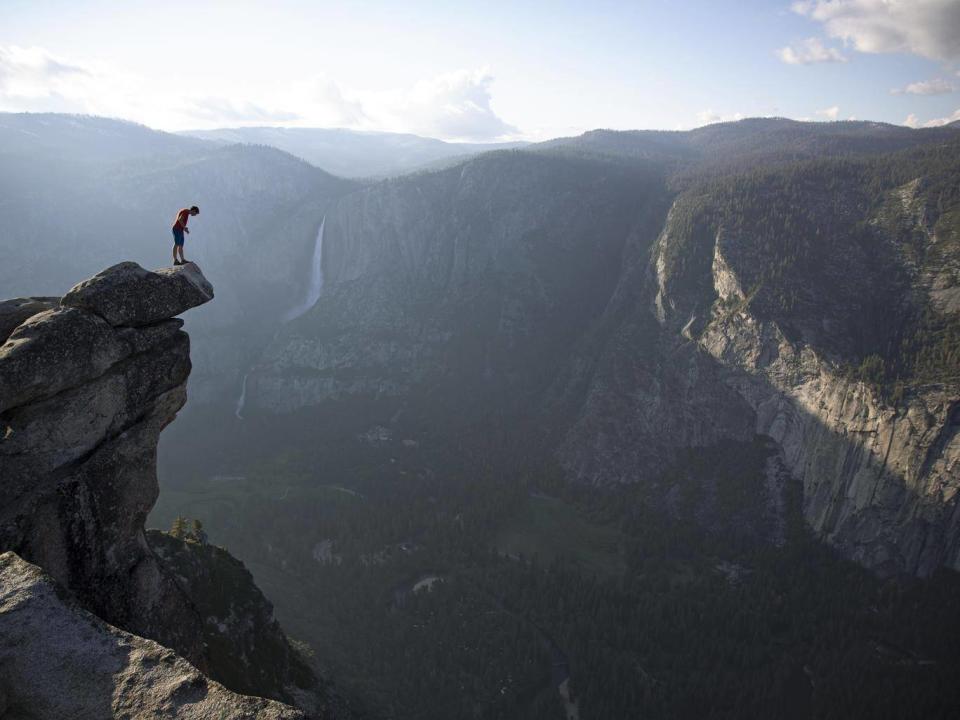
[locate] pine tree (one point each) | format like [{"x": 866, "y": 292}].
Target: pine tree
[
  {"x": 179, "y": 527},
  {"x": 197, "y": 533}
]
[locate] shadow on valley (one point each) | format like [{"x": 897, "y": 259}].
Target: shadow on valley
[{"x": 697, "y": 591}]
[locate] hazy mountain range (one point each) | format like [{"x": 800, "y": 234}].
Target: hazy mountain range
[{"x": 353, "y": 153}]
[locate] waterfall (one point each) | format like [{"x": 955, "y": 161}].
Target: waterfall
[
  {"x": 316, "y": 279},
  {"x": 314, "y": 288},
  {"x": 242, "y": 400}
]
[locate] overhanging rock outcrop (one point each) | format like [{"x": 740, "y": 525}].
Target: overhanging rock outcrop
[
  {"x": 87, "y": 383},
  {"x": 82, "y": 404},
  {"x": 126, "y": 294}
]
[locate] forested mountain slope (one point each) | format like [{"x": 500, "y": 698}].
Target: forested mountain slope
[{"x": 745, "y": 144}]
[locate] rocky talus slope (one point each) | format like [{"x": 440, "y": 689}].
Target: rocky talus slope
[
  {"x": 243, "y": 640},
  {"x": 87, "y": 382},
  {"x": 60, "y": 661}
]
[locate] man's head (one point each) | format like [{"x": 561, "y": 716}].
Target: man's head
[{"x": 194, "y": 210}]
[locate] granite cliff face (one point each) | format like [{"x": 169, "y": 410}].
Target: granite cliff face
[
  {"x": 83, "y": 402},
  {"x": 880, "y": 468},
  {"x": 880, "y": 479},
  {"x": 472, "y": 281},
  {"x": 86, "y": 385}
]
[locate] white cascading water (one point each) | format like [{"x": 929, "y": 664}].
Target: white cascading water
[
  {"x": 314, "y": 288},
  {"x": 316, "y": 279},
  {"x": 242, "y": 400}
]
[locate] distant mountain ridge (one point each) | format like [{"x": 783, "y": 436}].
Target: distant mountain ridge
[
  {"x": 88, "y": 138},
  {"x": 727, "y": 146},
  {"x": 352, "y": 153}
]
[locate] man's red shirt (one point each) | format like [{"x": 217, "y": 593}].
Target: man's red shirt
[{"x": 181, "y": 222}]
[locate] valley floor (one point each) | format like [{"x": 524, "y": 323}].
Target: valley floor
[{"x": 655, "y": 618}]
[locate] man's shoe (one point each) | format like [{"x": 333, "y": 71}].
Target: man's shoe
[{"x": 177, "y": 262}]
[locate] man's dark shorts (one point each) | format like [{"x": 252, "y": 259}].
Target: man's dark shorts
[{"x": 178, "y": 237}]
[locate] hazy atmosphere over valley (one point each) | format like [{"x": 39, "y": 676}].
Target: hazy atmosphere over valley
[{"x": 426, "y": 361}]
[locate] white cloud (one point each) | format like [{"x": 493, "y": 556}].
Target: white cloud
[
  {"x": 914, "y": 122},
  {"x": 347, "y": 111},
  {"x": 320, "y": 102},
  {"x": 938, "y": 86},
  {"x": 454, "y": 106},
  {"x": 29, "y": 71},
  {"x": 937, "y": 122},
  {"x": 33, "y": 75},
  {"x": 709, "y": 117},
  {"x": 34, "y": 79},
  {"x": 223, "y": 110},
  {"x": 809, "y": 51},
  {"x": 930, "y": 28},
  {"x": 830, "y": 113}
]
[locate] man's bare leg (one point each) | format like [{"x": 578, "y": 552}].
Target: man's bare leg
[{"x": 174, "y": 254}]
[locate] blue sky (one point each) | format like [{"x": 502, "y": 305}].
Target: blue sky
[{"x": 482, "y": 71}]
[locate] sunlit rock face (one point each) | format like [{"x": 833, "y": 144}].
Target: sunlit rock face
[
  {"x": 880, "y": 479},
  {"x": 880, "y": 471},
  {"x": 61, "y": 661}
]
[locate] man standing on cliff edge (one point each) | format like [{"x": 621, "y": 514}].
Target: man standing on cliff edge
[{"x": 179, "y": 228}]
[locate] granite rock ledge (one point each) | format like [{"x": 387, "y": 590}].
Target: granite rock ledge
[{"x": 87, "y": 383}]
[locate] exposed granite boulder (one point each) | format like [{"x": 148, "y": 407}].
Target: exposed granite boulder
[
  {"x": 126, "y": 294},
  {"x": 59, "y": 661},
  {"x": 16, "y": 311},
  {"x": 55, "y": 350}
]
